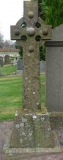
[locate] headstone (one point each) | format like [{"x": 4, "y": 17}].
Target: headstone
[
  {"x": 42, "y": 66},
  {"x": 32, "y": 131},
  {"x": 29, "y": 37},
  {"x": 1, "y": 61},
  {"x": 19, "y": 64},
  {"x": 7, "y": 59},
  {"x": 15, "y": 62},
  {"x": 54, "y": 71},
  {"x": 0, "y": 71}
]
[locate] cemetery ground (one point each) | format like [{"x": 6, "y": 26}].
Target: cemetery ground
[
  {"x": 8, "y": 69},
  {"x": 10, "y": 100}
]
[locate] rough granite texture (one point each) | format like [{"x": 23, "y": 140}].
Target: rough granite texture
[
  {"x": 29, "y": 34},
  {"x": 6, "y": 128},
  {"x": 32, "y": 131}
]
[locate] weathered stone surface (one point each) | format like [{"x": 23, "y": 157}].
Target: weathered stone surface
[
  {"x": 31, "y": 77},
  {"x": 32, "y": 131},
  {"x": 31, "y": 35},
  {"x": 54, "y": 71},
  {"x": 14, "y": 154}
]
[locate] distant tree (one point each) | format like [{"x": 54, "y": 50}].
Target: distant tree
[
  {"x": 52, "y": 12},
  {"x": 9, "y": 44},
  {"x": 42, "y": 8},
  {"x": 6, "y": 44},
  {"x": 20, "y": 49},
  {"x": 1, "y": 41},
  {"x": 42, "y": 53}
]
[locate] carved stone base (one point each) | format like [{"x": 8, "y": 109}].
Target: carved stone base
[
  {"x": 32, "y": 131},
  {"x": 31, "y": 136}
]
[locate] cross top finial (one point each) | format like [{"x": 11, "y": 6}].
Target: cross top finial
[{"x": 30, "y": 24}]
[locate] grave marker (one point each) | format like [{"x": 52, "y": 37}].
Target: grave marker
[
  {"x": 19, "y": 64},
  {"x": 1, "y": 61},
  {"x": 31, "y": 132},
  {"x": 42, "y": 66},
  {"x": 7, "y": 59}
]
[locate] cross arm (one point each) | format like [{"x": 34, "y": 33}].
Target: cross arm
[
  {"x": 46, "y": 32},
  {"x": 17, "y": 32},
  {"x": 43, "y": 32}
]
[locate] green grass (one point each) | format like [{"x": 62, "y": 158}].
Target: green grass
[
  {"x": 8, "y": 69},
  {"x": 6, "y": 53},
  {"x": 11, "y": 96}
]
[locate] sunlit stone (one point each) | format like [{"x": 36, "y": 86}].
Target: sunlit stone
[
  {"x": 31, "y": 31},
  {"x": 42, "y": 118},
  {"x": 30, "y": 134},
  {"x": 34, "y": 116},
  {"x": 21, "y": 140},
  {"x": 17, "y": 125},
  {"x": 24, "y": 120},
  {"x": 29, "y": 81},
  {"x": 26, "y": 78},
  {"x": 16, "y": 114},
  {"x": 33, "y": 92},
  {"x": 22, "y": 125},
  {"x": 49, "y": 129},
  {"x": 28, "y": 55},
  {"x": 37, "y": 104},
  {"x": 23, "y": 134}
]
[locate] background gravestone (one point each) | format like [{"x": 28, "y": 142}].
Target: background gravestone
[
  {"x": 1, "y": 61},
  {"x": 42, "y": 66},
  {"x": 20, "y": 64},
  {"x": 0, "y": 71},
  {"x": 54, "y": 71},
  {"x": 7, "y": 59},
  {"x": 15, "y": 61}
]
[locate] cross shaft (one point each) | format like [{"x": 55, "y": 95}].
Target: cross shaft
[{"x": 29, "y": 33}]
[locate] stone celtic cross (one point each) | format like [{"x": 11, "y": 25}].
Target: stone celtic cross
[
  {"x": 31, "y": 131},
  {"x": 30, "y": 31}
]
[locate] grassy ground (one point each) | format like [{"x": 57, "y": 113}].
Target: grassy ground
[
  {"x": 8, "y": 69},
  {"x": 11, "y": 94},
  {"x": 7, "y": 53}
]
